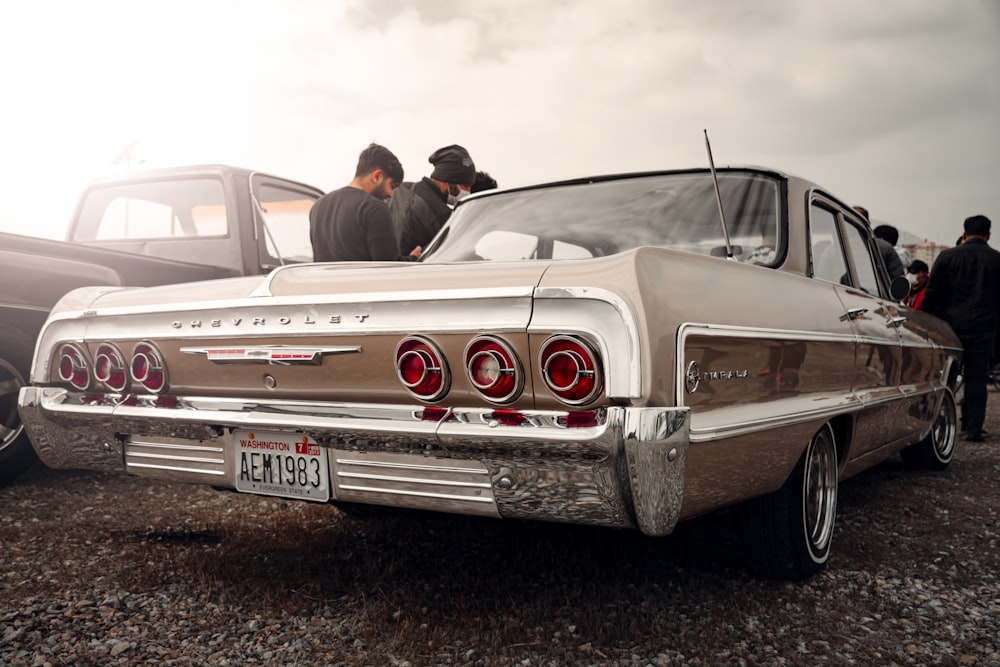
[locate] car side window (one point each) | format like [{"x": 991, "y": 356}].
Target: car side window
[
  {"x": 829, "y": 263},
  {"x": 864, "y": 263}
]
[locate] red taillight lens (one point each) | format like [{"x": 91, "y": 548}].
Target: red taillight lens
[
  {"x": 147, "y": 368},
  {"x": 72, "y": 363},
  {"x": 493, "y": 369},
  {"x": 571, "y": 369},
  {"x": 433, "y": 413},
  {"x": 508, "y": 417},
  {"x": 110, "y": 367},
  {"x": 588, "y": 419},
  {"x": 422, "y": 368}
]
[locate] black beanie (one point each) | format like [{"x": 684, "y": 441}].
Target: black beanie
[{"x": 452, "y": 164}]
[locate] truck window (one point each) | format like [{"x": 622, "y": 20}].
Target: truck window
[
  {"x": 153, "y": 210},
  {"x": 285, "y": 213}
]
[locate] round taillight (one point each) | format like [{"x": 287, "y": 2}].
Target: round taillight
[
  {"x": 147, "y": 368},
  {"x": 571, "y": 369},
  {"x": 72, "y": 364},
  {"x": 421, "y": 367},
  {"x": 493, "y": 369},
  {"x": 110, "y": 367}
]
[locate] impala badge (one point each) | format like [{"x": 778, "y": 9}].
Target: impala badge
[
  {"x": 275, "y": 355},
  {"x": 692, "y": 378}
]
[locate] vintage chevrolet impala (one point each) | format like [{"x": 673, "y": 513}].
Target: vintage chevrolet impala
[{"x": 625, "y": 351}]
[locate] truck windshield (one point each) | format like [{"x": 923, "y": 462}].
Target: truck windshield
[{"x": 678, "y": 211}]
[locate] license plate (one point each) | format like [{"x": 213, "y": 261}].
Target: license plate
[{"x": 281, "y": 464}]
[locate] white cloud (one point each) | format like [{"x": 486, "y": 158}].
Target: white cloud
[{"x": 895, "y": 103}]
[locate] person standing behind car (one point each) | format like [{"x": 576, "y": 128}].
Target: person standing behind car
[
  {"x": 918, "y": 283},
  {"x": 890, "y": 235},
  {"x": 888, "y": 252},
  {"x": 419, "y": 210},
  {"x": 964, "y": 290},
  {"x": 353, "y": 223},
  {"x": 483, "y": 182}
]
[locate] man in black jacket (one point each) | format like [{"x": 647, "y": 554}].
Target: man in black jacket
[
  {"x": 964, "y": 290},
  {"x": 419, "y": 210}
]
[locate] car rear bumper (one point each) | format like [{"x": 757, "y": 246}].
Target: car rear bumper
[{"x": 624, "y": 468}]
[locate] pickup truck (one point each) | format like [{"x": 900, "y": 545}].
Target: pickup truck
[{"x": 153, "y": 227}]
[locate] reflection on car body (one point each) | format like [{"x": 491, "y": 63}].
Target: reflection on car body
[{"x": 575, "y": 352}]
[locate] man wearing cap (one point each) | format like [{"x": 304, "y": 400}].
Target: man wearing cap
[{"x": 420, "y": 209}]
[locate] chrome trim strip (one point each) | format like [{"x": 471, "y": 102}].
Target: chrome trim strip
[
  {"x": 421, "y": 494},
  {"x": 310, "y": 300},
  {"x": 259, "y": 354},
  {"x": 167, "y": 457},
  {"x": 395, "y": 478},
  {"x": 458, "y": 485},
  {"x": 836, "y": 405},
  {"x": 401, "y": 466},
  {"x": 170, "y": 455},
  {"x": 197, "y": 471},
  {"x": 197, "y": 448}
]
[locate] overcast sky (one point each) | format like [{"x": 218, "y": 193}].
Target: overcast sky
[{"x": 894, "y": 104}]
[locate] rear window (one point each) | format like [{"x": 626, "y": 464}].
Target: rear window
[
  {"x": 153, "y": 210},
  {"x": 678, "y": 211}
]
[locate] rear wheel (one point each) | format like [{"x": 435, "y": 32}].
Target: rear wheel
[
  {"x": 788, "y": 533},
  {"x": 16, "y": 453},
  {"x": 936, "y": 450}
]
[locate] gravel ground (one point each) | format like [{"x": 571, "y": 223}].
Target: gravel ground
[{"x": 109, "y": 570}]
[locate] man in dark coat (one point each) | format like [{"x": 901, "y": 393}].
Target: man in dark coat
[
  {"x": 964, "y": 290},
  {"x": 419, "y": 210},
  {"x": 353, "y": 223}
]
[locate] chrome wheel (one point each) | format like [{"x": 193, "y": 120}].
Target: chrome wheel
[
  {"x": 10, "y": 422},
  {"x": 944, "y": 432},
  {"x": 788, "y": 533},
  {"x": 936, "y": 450},
  {"x": 819, "y": 494},
  {"x": 16, "y": 453}
]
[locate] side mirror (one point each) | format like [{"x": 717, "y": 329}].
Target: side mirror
[{"x": 899, "y": 288}]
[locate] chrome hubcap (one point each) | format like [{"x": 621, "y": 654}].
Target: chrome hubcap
[
  {"x": 820, "y": 492},
  {"x": 10, "y": 385},
  {"x": 944, "y": 432}
]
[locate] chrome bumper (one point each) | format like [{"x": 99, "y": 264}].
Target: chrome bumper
[{"x": 625, "y": 471}]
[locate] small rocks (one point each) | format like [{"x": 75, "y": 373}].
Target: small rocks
[{"x": 111, "y": 570}]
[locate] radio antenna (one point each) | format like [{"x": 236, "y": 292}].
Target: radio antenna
[{"x": 718, "y": 199}]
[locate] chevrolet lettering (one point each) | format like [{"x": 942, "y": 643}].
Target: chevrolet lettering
[{"x": 262, "y": 321}]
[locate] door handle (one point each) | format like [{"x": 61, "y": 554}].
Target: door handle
[
  {"x": 856, "y": 313},
  {"x": 896, "y": 322}
]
